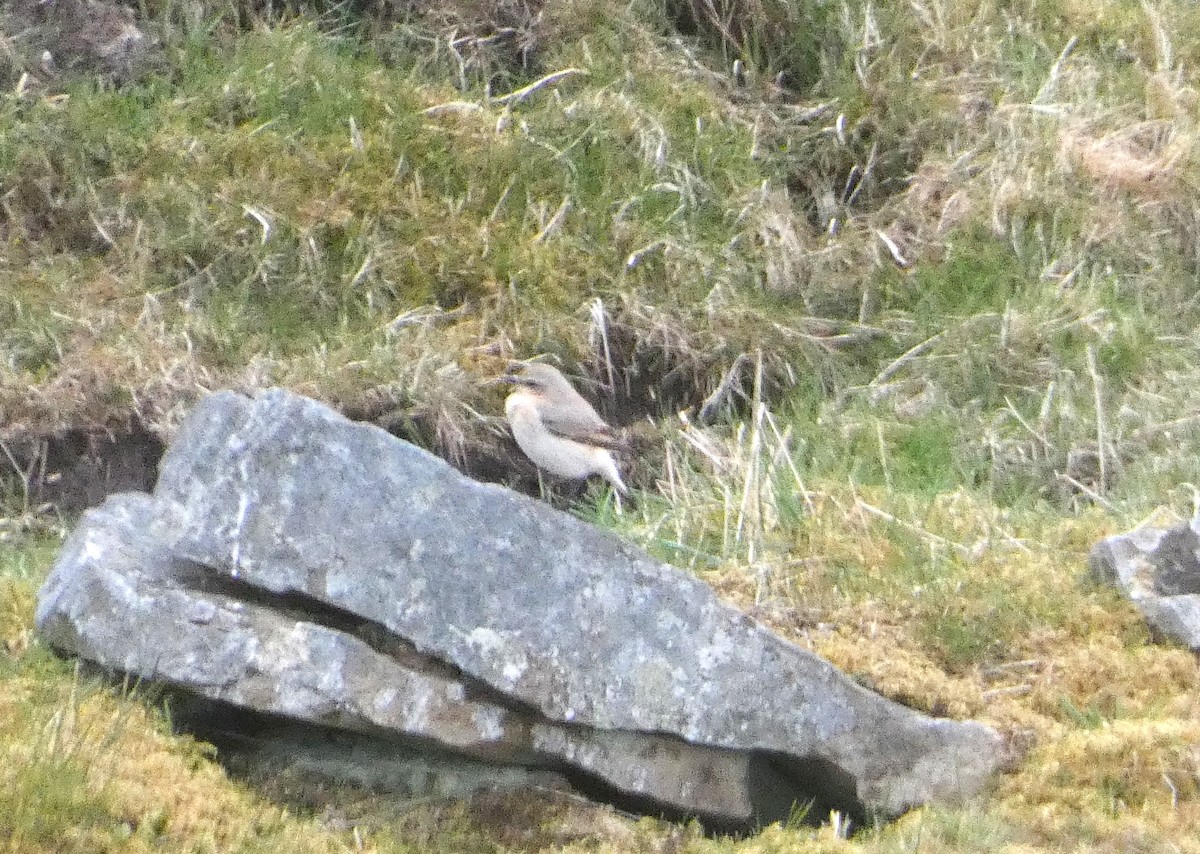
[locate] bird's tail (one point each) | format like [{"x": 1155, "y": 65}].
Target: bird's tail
[{"x": 610, "y": 473}]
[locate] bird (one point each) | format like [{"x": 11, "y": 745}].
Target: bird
[{"x": 556, "y": 428}]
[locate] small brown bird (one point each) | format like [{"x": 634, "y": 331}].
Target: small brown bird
[{"x": 556, "y": 428}]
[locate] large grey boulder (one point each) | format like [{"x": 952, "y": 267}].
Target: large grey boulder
[
  {"x": 1159, "y": 570},
  {"x": 295, "y": 563},
  {"x": 118, "y": 597}
]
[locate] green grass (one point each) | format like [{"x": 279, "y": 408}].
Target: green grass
[
  {"x": 48, "y": 798},
  {"x": 978, "y": 275}
]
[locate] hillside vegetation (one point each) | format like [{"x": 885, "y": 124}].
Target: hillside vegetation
[{"x": 922, "y": 278}]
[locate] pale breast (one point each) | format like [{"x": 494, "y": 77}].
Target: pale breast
[{"x": 556, "y": 455}]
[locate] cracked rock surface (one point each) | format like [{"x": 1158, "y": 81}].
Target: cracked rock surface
[{"x": 296, "y": 564}]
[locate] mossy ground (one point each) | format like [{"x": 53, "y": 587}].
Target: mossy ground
[{"x": 937, "y": 282}]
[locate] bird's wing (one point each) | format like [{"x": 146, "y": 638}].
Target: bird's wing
[{"x": 580, "y": 423}]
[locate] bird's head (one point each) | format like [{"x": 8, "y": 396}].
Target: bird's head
[{"x": 536, "y": 376}]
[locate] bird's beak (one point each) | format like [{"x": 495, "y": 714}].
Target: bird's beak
[
  {"x": 513, "y": 374},
  {"x": 506, "y": 379}
]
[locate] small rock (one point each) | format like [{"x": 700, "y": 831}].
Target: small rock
[{"x": 1159, "y": 570}]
